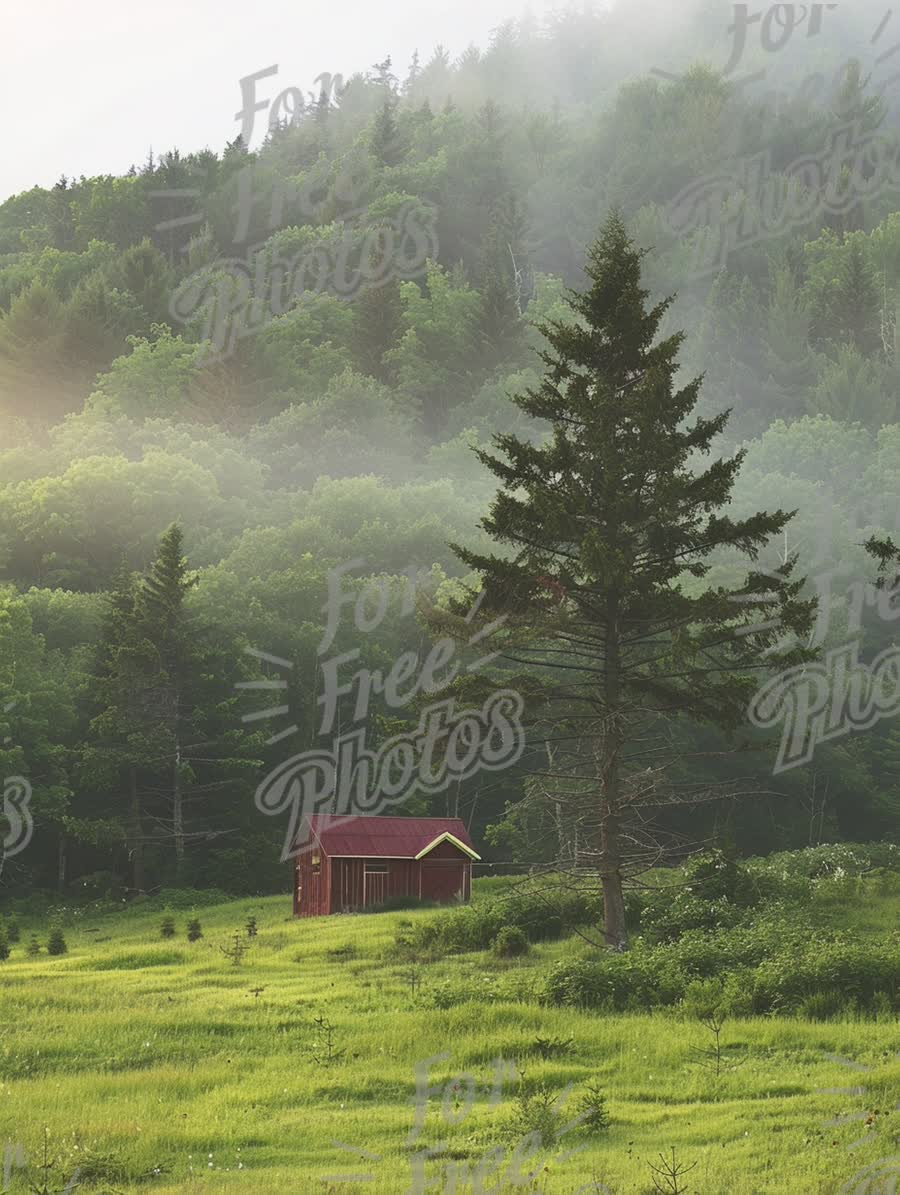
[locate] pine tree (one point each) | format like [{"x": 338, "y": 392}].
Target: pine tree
[
  {"x": 161, "y": 608},
  {"x": 413, "y": 74},
  {"x": 56, "y": 941},
  {"x": 609, "y": 531},
  {"x": 386, "y": 139},
  {"x": 199, "y": 757},
  {"x": 124, "y": 738},
  {"x": 502, "y": 278},
  {"x": 786, "y": 340},
  {"x": 856, "y": 305}
]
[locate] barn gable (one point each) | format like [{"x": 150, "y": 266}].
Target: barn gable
[{"x": 450, "y": 840}]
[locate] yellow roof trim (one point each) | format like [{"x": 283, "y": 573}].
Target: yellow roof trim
[{"x": 448, "y": 837}]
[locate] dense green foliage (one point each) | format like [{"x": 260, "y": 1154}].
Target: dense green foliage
[
  {"x": 341, "y": 430},
  {"x": 739, "y": 938}
]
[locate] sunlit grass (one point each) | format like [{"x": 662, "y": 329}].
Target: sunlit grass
[{"x": 138, "y": 1054}]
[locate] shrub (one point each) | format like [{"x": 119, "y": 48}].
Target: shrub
[
  {"x": 4, "y": 943},
  {"x": 535, "y": 1111},
  {"x": 251, "y": 928},
  {"x": 448, "y": 993},
  {"x": 341, "y": 954},
  {"x": 860, "y": 970},
  {"x": 194, "y": 931},
  {"x": 543, "y": 912},
  {"x": 882, "y": 1007},
  {"x": 34, "y": 947},
  {"x": 235, "y": 949},
  {"x": 822, "y": 1006},
  {"x": 510, "y": 942},
  {"x": 615, "y": 983},
  {"x": 668, "y": 915},
  {"x": 551, "y": 1047},
  {"x": 703, "y": 998},
  {"x": 716, "y": 875},
  {"x": 592, "y": 1110},
  {"x": 765, "y": 972},
  {"x": 12, "y": 930},
  {"x": 827, "y": 861},
  {"x": 167, "y": 928},
  {"x": 56, "y": 943}
]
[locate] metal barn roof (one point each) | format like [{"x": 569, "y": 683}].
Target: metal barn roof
[{"x": 376, "y": 837}]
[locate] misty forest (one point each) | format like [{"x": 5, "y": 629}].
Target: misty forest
[{"x": 578, "y": 354}]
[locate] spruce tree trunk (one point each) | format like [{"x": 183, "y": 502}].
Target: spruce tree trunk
[
  {"x": 62, "y": 847},
  {"x": 614, "y": 932},
  {"x": 137, "y": 833},
  {"x": 178, "y": 815}
]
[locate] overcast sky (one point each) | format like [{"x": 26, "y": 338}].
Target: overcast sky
[{"x": 88, "y": 87}]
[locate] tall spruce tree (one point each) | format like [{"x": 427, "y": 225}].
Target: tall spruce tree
[
  {"x": 610, "y": 523},
  {"x": 124, "y": 739},
  {"x": 162, "y": 611},
  {"x": 387, "y": 141},
  {"x": 503, "y": 279}
]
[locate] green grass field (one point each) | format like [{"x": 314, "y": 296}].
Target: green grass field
[{"x": 159, "y": 1066}]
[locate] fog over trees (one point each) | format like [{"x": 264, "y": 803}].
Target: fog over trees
[{"x": 230, "y": 370}]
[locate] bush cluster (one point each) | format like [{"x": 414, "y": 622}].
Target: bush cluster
[
  {"x": 542, "y": 911},
  {"x": 766, "y": 970},
  {"x": 510, "y": 942},
  {"x": 715, "y": 891}
]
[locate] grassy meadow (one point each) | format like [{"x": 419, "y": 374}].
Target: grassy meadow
[{"x": 160, "y": 1066}]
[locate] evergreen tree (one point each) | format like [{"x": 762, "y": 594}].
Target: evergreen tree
[
  {"x": 503, "y": 279},
  {"x": 142, "y": 271},
  {"x": 609, "y": 530},
  {"x": 123, "y": 737},
  {"x": 855, "y": 313},
  {"x": 60, "y": 214},
  {"x": 202, "y": 758},
  {"x": 786, "y": 340},
  {"x": 162, "y": 611},
  {"x": 413, "y": 74},
  {"x": 386, "y": 140}
]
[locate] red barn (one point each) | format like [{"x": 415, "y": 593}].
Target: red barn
[{"x": 348, "y": 863}]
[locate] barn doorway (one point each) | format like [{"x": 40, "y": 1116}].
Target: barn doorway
[{"x": 375, "y": 884}]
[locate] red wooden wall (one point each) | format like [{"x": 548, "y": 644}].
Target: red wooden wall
[{"x": 341, "y": 885}]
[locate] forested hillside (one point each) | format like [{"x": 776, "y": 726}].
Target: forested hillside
[{"x": 275, "y": 361}]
